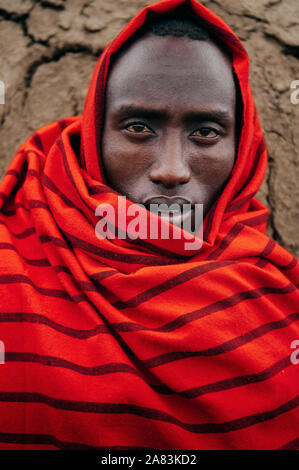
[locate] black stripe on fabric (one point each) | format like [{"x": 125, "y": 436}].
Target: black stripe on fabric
[
  {"x": 144, "y": 244},
  {"x": 12, "y": 173},
  {"x": 94, "y": 249},
  {"x": 261, "y": 147},
  {"x": 224, "y": 34},
  {"x": 257, "y": 220},
  {"x": 91, "y": 371},
  {"x": 150, "y": 413},
  {"x": 68, "y": 202},
  {"x": 56, "y": 241},
  {"x": 116, "y": 368},
  {"x": 161, "y": 251},
  {"x": 63, "y": 269},
  {"x": 139, "y": 242},
  {"x": 62, "y": 125},
  {"x": 225, "y": 242},
  {"x": 38, "y": 142},
  {"x": 208, "y": 220},
  {"x": 50, "y": 440},
  {"x": 225, "y": 347},
  {"x": 235, "y": 382},
  {"x": 163, "y": 359},
  {"x": 290, "y": 265},
  {"x": 98, "y": 106},
  {"x": 94, "y": 277},
  {"x": 52, "y": 186},
  {"x": 33, "y": 204},
  {"x": 11, "y": 212},
  {"x": 25, "y": 234},
  {"x": 41, "y": 262},
  {"x": 49, "y": 184},
  {"x": 149, "y": 377},
  {"x": 254, "y": 115},
  {"x": 100, "y": 189},
  {"x": 261, "y": 263}
]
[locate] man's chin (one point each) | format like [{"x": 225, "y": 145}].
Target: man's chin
[{"x": 177, "y": 218}]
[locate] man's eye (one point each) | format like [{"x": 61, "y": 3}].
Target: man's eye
[
  {"x": 207, "y": 132},
  {"x": 137, "y": 128}
]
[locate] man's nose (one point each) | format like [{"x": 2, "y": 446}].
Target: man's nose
[{"x": 170, "y": 168}]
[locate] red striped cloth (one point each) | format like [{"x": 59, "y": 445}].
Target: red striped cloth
[{"x": 128, "y": 344}]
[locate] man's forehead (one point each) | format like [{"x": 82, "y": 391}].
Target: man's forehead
[{"x": 171, "y": 51}]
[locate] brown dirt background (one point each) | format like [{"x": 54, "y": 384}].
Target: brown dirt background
[{"x": 49, "y": 49}]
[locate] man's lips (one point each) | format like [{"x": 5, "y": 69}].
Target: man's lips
[
  {"x": 176, "y": 218},
  {"x": 167, "y": 200}
]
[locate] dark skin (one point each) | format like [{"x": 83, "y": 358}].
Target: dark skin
[{"x": 169, "y": 125}]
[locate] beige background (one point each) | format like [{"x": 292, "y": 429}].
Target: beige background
[{"x": 49, "y": 49}]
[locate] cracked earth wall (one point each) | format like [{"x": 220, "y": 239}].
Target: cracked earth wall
[{"x": 49, "y": 49}]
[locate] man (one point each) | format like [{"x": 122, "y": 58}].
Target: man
[{"x": 130, "y": 342}]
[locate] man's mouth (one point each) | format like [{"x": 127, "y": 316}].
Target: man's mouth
[{"x": 173, "y": 209}]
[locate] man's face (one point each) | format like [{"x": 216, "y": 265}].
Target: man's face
[{"x": 169, "y": 125}]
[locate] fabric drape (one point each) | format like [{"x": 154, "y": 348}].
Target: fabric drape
[{"x": 128, "y": 344}]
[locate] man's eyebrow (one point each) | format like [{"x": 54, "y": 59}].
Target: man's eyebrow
[{"x": 155, "y": 113}]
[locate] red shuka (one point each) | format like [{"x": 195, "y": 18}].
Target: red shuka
[{"x": 141, "y": 343}]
